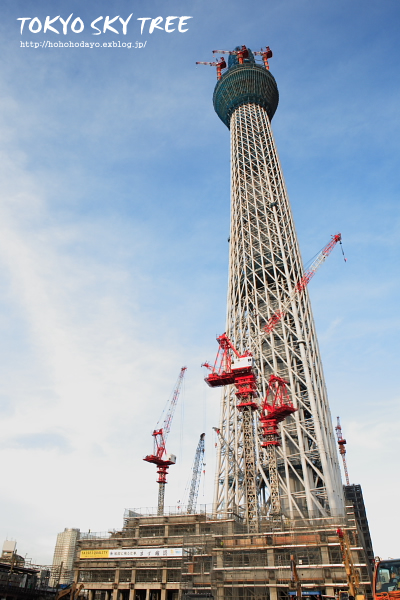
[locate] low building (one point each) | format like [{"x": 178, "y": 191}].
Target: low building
[{"x": 20, "y": 580}]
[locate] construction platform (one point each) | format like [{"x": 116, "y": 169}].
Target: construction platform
[{"x": 178, "y": 556}]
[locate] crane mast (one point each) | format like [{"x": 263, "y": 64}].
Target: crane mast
[
  {"x": 197, "y": 467},
  {"x": 160, "y": 458}
]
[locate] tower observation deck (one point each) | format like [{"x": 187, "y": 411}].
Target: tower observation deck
[
  {"x": 247, "y": 83},
  {"x": 264, "y": 267}
]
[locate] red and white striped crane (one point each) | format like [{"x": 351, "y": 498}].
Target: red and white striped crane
[
  {"x": 221, "y": 64},
  {"x": 342, "y": 449},
  {"x": 303, "y": 282},
  {"x": 241, "y": 54},
  {"x": 160, "y": 458},
  {"x": 266, "y": 54}
]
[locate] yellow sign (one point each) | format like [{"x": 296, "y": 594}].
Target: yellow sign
[{"x": 95, "y": 553}]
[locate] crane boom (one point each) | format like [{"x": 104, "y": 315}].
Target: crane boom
[
  {"x": 303, "y": 282},
  {"x": 194, "y": 487},
  {"x": 175, "y": 396},
  {"x": 161, "y": 435}
]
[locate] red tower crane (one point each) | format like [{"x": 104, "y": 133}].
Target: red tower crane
[
  {"x": 303, "y": 282},
  {"x": 342, "y": 449},
  {"x": 236, "y": 370},
  {"x": 241, "y": 54},
  {"x": 221, "y": 64},
  {"x": 230, "y": 367},
  {"x": 274, "y": 409},
  {"x": 266, "y": 54},
  {"x": 160, "y": 458}
]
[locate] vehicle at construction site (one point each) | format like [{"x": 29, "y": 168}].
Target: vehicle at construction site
[{"x": 386, "y": 583}]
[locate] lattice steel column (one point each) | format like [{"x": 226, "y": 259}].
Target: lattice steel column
[
  {"x": 272, "y": 466},
  {"x": 265, "y": 265},
  {"x": 249, "y": 461}
]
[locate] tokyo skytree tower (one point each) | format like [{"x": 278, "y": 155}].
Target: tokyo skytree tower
[{"x": 264, "y": 268}]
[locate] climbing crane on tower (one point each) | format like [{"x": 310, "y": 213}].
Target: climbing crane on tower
[
  {"x": 197, "y": 469},
  {"x": 266, "y": 54},
  {"x": 241, "y": 54},
  {"x": 160, "y": 458},
  {"x": 304, "y": 281},
  {"x": 232, "y": 368},
  {"x": 221, "y": 64}
]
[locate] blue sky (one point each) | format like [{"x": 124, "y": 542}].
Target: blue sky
[{"x": 114, "y": 218}]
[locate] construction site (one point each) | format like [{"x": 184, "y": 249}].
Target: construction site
[{"x": 282, "y": 523}]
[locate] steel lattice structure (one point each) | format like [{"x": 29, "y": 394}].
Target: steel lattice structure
[{"x": 264, "y": 267}]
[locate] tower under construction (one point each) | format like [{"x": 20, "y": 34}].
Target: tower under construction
[
  {"x": 281, "y": 523},
  {"x": 264, "y": 269}
]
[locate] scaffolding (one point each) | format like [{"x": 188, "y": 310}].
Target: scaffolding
[{"x": 195, "y": 556}]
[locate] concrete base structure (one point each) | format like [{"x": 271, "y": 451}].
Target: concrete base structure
[{"x": 197, "y": 555}]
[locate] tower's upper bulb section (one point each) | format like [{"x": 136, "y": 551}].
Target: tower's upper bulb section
[{"x": 244, "y": 82}]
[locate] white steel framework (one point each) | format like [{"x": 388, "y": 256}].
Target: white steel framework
[{"x": 264, "y": 267}]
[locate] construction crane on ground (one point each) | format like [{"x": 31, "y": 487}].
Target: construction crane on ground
[
  {"x": 352, "y": 574},
  {"x": 160, "y": 458},
  {"x": 197, "y": 469},
  {"x": 342, "y": 449},
  {"x": 274, "y": 409},
  {"x": 72, "y": 590},
  {"x": 221, "y": 64},
  {"x": 304, "y": 281},
  {"x": 232, "y": 368},
  {"x": 295, "y": 582}
]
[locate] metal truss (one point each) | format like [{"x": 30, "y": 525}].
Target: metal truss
[{"x": 264, "y": 266}]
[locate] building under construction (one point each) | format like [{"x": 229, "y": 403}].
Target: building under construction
[
  {"x": 281, "y": 523},
  {"x": 178, "y": 556}
]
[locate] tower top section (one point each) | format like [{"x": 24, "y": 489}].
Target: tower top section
[{"x": 244, "y": 82}]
